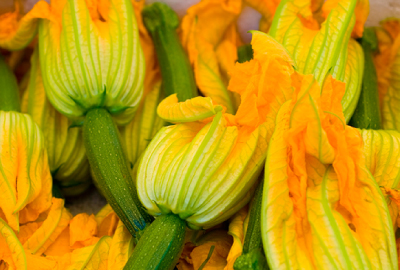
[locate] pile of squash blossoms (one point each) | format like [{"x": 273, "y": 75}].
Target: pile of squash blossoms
[{"x": 265, "y": 152}]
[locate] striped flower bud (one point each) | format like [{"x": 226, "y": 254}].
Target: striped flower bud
[
  {"x": 91, "y": 57},
  {"x": 205, "y": 167},
  {"x": 67, "y": 155},
  {"x": 25, "y": 178}
]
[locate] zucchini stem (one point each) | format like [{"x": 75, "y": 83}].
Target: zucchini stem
[
  {"x": 9, "y": 98},
  {"x": 110, "y": 170},
  {"x": 367, "y": 113},
  {"x": 160, "y": 246},
  {"x": 177, "y": 75},
  {"x": 253, "y": 256}
]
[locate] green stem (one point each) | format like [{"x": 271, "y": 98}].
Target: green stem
[
  {"x": 9, "y": 99},
  {"x": 177, "y": 75},
  {"x": 160, "y": 246},
  {"x": 244, "y": 53},
  {"x": 367, "y": 113},
  {"x": 110, "y": 169},
  {"x": 253, "y": 256},
  {"x": 252, "y": 239}
]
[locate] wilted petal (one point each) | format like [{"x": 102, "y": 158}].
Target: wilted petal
[
  {"x": 56, "y": 221},
  {"x": 25, "y": 177},
  {"x": 191, "y": 110},
  {"x": 94, "y": 257},
  {"x": 122, "y": 245},
  {"x": 11, "y": 250},
  {"x": 17, "y": 30}
]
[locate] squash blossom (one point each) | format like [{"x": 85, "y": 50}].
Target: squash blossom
[
  {"x": 67, "y": 156},
  {"x": 136, "y": 135},
  {"x": 25, "y": 176},
  {"x": 92, "y": 67},
  {"x": 59, "y": 241},
  {"x": 321, "y": 206},
  {"x": 325, "y": 48},
  {"x": 90, "y": 56},
  {"x": 204, "y": 168},
  {"x": 387, "y": 68},
  {"x": 195, "y": 254},
  {"x": 210, "y": 37},
  {"x": 382, "y": 157}
]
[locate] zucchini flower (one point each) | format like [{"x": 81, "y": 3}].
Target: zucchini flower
[
  {"x": 382, "y": 157},
  {"x": 386, "y": 63},
  {"x": 322, "y": 208},
  {"x": 210, "y": 37},
  {"x": 25, "y": 176},
  {"x": 90, "y": 56},
  {"x": 327, "y": 48},
  {"x": 18, "y": 30},
  {"x": 67, "y": 155},
  {"x": 136, "y": 135},
  {"x": 208, "y": 251},
  {"x": 186, "y": 165},
  {"x": 92, "y": 67},
  {"x": 202, "y": 170}
]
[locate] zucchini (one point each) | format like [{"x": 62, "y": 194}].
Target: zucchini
[
  {"x": 110, "y": 170},
  {"x": 160, "y": 245},
  {"x": 252, "y": 255},
  {"x": 367, "y": 113},
  {"x": 177, "y": 75},
  {"x": 9, "y": 99}
]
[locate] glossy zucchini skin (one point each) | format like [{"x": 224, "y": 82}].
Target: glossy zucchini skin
[
  {"x": 177, "y": 74},
  {"x": 110, "y": 170},
  {"x": 367, "y": 113},
  {"x": 9, "y": 99},
  {"x": 160, "y": 245}
]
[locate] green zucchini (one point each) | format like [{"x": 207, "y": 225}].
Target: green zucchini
[
  {"x": 160, "y": 245},
  {"x": 252, "y": 255},
  {"x": 177, "y": 75},
  {"x": 367, "y": 113},
  {"x": 9, "y": 99},
  {"x": 110, "y": 169}
]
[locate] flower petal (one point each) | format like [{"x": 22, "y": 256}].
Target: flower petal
[{"x": 193, "y": 109}]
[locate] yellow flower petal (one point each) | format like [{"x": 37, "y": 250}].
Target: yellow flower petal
[
  {"x": 267, "y": 10},
  {"x": 56, "y": 221},
  {"x": 61, "y": 245},
  {"x": 107, "y": 221},
  {"x": 201, "y": 41},
  {"x": 83, "y": 229},
  {"x": 16, "y": 32},
  {"x": 24, "y": 171},
  {"x": 98, "y": 59},
  {"x": 221, "y": 242},
  {"x": 361, "y": 13},
  {"x": 11, "y": 250},
  {"x": 194, "y": 109},
  {"x": 334, "y": 211},
  {"x": 237, "y": 230},
  {"x": 205, "y": 171},
  {"x": 144, "y": 126},
  {"x": 387, "y": 62},
  {"x": 66, "y": 152},
  {"x": 94, "y": 257},
  {"x": 121, "y": 247}
]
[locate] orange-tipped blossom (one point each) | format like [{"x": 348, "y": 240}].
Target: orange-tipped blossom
[
  {"x": 205, "y": 167},
  {"x": 321, "y": 205}
]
